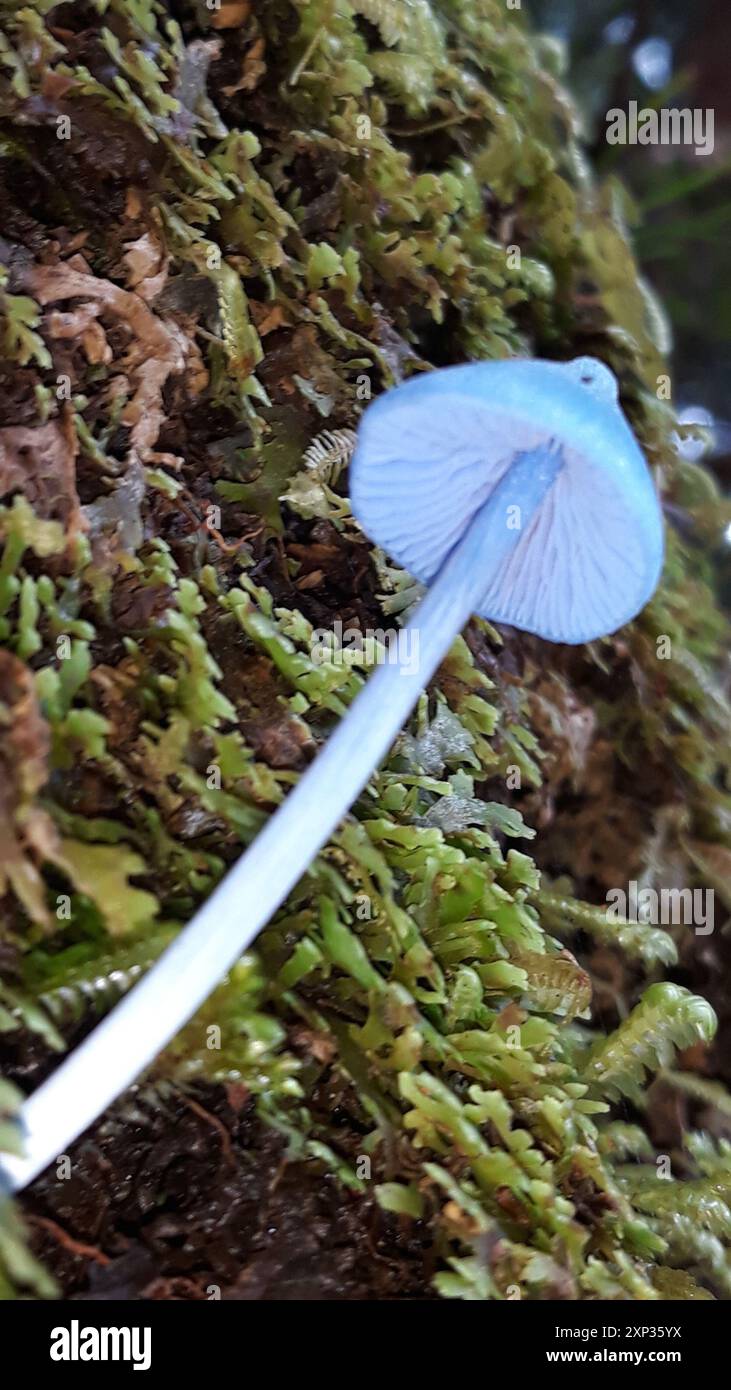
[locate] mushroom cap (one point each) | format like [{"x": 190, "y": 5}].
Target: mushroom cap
[{"x": 431, "y": 451}]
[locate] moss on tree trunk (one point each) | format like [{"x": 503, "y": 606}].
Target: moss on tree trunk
[{"x": 224, "y": 228}]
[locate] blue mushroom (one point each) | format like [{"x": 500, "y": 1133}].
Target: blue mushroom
[
  {"x": 513, "y": 489},
  {"x": 537, "y": 461}
]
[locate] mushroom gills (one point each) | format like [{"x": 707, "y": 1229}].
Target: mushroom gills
[{"x": 499, "y": 524}]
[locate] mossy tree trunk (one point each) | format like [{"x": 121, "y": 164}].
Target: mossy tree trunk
[{"x": 225, "y": 228}]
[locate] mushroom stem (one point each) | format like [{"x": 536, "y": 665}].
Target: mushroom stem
[{"x": 129, "y": 1039}]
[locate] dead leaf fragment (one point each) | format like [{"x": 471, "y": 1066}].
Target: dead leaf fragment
[
  {"x": 40, "y": 462},
  {"x": 154, "y": 353},
  {"x": 147, "y": 266}
]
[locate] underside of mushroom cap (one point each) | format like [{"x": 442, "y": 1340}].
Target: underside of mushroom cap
[{"x": 431, "y": 452}]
